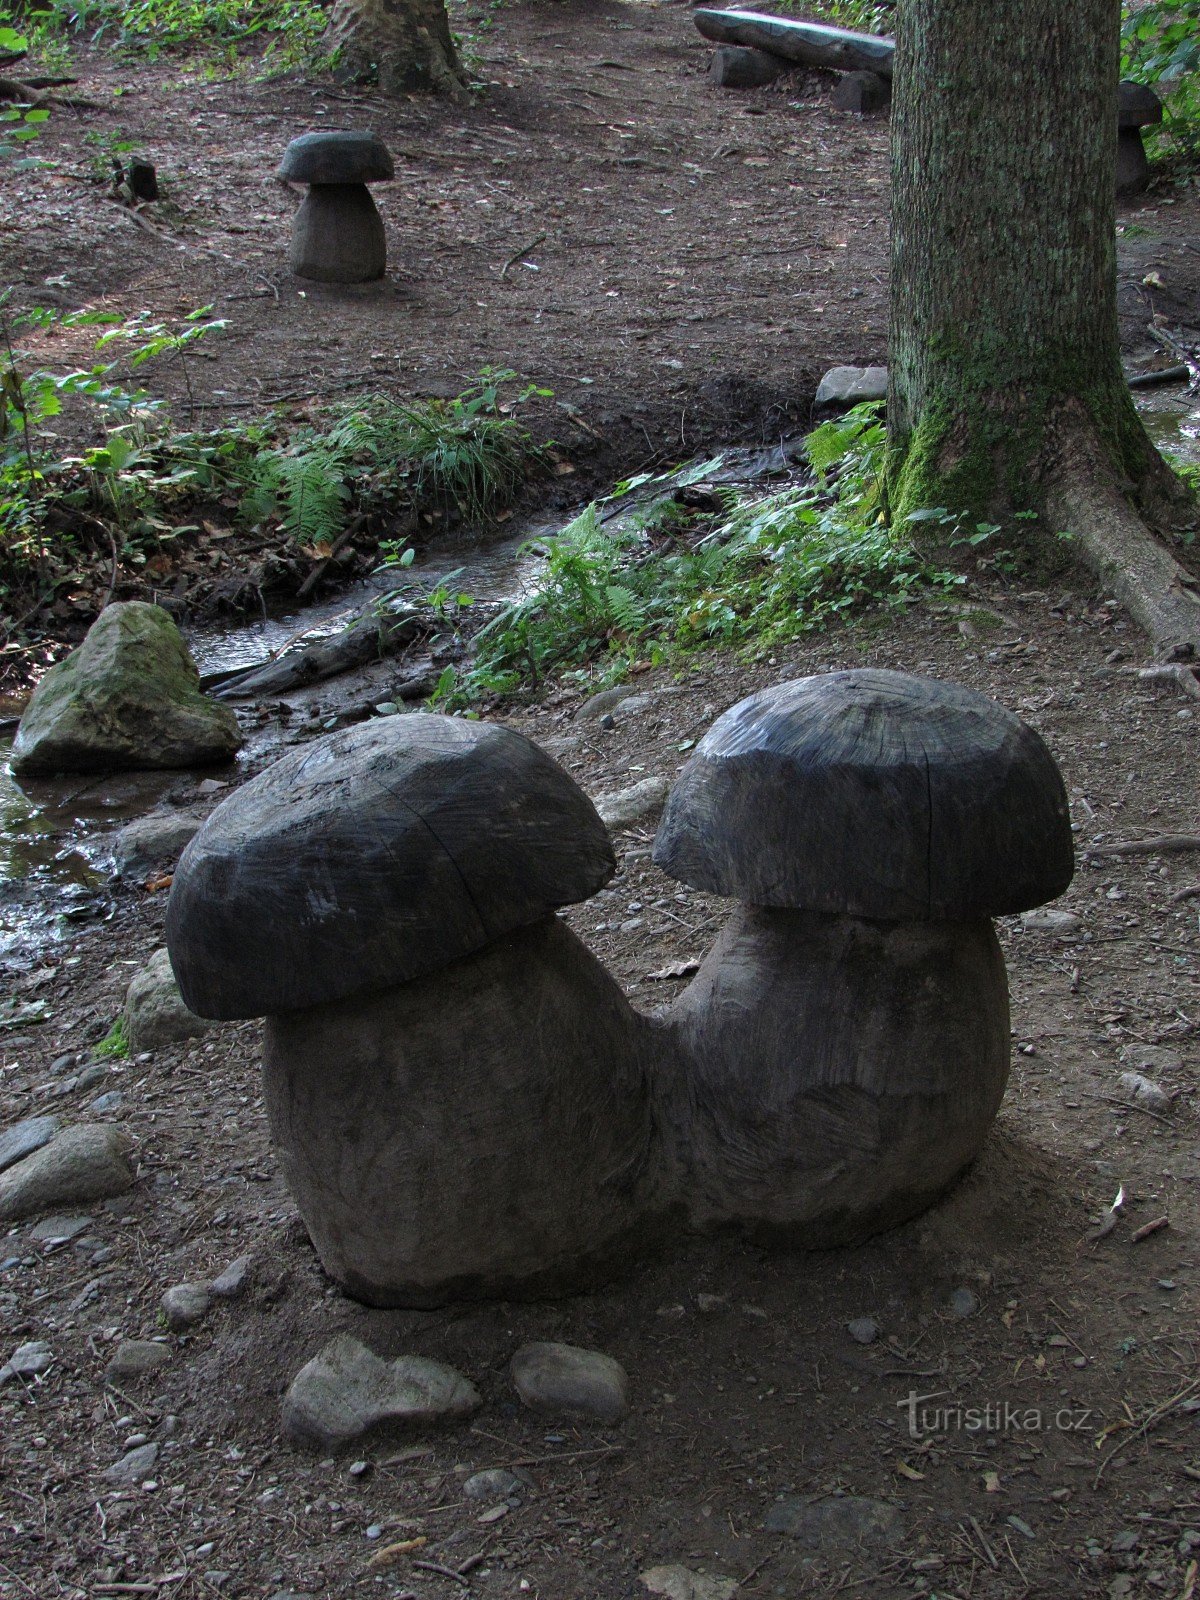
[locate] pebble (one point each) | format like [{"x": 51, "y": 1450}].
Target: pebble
[
  {"x": 639, "y": 802},
  {"x": 347, "y": 1389},
  {"x": 57, "y": 1230},
  {"x": 863, "y": 1330},
  {"x": 229, "y": 1284},
  {"x": 832, "y": 1525},
  {"x": 496, "y": 1483},
  {"x": 1145, "y": 1093},
  {"x": 133, "y": 1358},
  {"x": 1048, "y": 920},
  {"x": 134, "y": 1467},
  {"x": 27, "y": 1360},
  {"x": 91, "y": 1076},
  {"x": 963, "y": 1303},
  {"x": 80, "y": 1164},
  {"x": 681, "y": 1583},
  {"x": 185, "y": 1305},
  {"x": 111, "y": 1100},
  {"x": 24, "y": 1138},
  {"x": 1166, "y": 1283},
  {"x": 567, "y": 1381}
]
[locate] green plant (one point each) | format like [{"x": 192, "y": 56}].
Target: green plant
[
  {"x": 1160, "y": 46},
  {"x": 755, "y": 571},
  {"x": 115, "y": 1043},
  {"x": 18, "y": 123},
  {"x": 863, "y": 16}
]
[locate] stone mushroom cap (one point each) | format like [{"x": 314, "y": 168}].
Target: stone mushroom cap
[
  {"x": 372, "y": 856},
  {"x": 875, "y": 794},
  {"x": 1137, "y": 105},
  {"x": 336, "y": 157}
]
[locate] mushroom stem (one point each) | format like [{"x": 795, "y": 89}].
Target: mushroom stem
[
  {"x": 338, "y": 235},
  {"x": 842, "y": 1072},
  {"x": 484, "y": 1131}
]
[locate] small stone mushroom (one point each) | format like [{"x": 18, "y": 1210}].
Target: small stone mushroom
[
  {"x": 847, "y": 1039},
  {"x": 1138, "y": 107},
  {"x": 337, "y": 235},
  {"x": 458, "y": 1091}
]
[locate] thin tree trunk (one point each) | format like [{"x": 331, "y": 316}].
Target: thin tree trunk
[
  {"x": 404, "y": 45},
  {"x": 1003, "y": 348}
]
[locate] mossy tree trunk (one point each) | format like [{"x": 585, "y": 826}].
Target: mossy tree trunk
[
  {"x": 404, "y": 45},
  {"x": 1005, "y": 372}
]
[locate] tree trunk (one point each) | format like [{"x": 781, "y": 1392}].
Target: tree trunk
[
  {"x": 404, "y": 45},
  {"x": 1005, "y": 370}
]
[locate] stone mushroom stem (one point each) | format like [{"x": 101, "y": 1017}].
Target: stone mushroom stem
[
  {"x": 487, "y": 1130},
  {"x": 842, "y": 1072},
  {"x": 338, "y": 235}
]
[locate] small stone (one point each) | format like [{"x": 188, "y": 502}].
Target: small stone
[
  {"x": 113, "y": 1100},
  {"x": 709, "y": 1303},
  {"x": 374, "y": 1531},
  {"x": 347, "y": 1389},
  {"x": 843, "y": 387},
  {"x": 636, "y": 804},
  {"x": 155, "y": 1013},
  {"x": 1151, "y": 1058},
  {"x": 1048, "y": 920},
  {"x": 359, "y": 1469},
  {"x": 229, "y": 1284},
  {"x": 134, "y": 1358},
  {"x": 1168, "y": 1284},
  {"x": 963, "y": 1303},
  {"x": 134, "y": 1440},
  {"x": 24, "y": 1138},
  {"x": 27, "y": 1360},
  {"x": 496, "y": 1483},
  {"x": 80, "y": 1164},
  {"x": 134, "y": 1467},
  {"x": 57, "y": 1230},
  {"x": 152, "y": 842},
  {"x": 185, "y": 1305},
  {"x": 863, "y": 1330},
  {"x": 1145, "y": 1093},
  {"x": 91, "y": 1076},
  {"x": 566, "y": 1381},
  {"x": 833, "y": 1525},
  {"x": 681, "y": 1583}
]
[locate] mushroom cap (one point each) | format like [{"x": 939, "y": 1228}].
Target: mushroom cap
[
  {"x": 336, "y": 157},
  {"x": 1137, "y": 105},
  {"x": 874, "y": 794},
  {"x": 374, "y": 855}
]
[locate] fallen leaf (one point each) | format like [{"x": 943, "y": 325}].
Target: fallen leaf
[
  {"x": 905, "y": 1471},
  {"x": 153, "y": 885},
  {"x": 991, "y": 1482},
  {"x": 392, "y": 1552},
  {"x": 677, "y": 969}
]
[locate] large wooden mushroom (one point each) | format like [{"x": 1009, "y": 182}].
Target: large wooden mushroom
[
  {"x": 338, "y": 234},
  {"x": 457, "y": 1089},
  {"x": 847, "y": 1039}
]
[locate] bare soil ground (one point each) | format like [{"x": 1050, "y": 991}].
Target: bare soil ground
[{"x": 672, "y": 217}]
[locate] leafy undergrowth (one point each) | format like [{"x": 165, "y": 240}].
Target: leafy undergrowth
[
  {"x": 1160, "y": 46},
  {"x": 366, "y": 472},
  {"x": 700, "y": 566}
]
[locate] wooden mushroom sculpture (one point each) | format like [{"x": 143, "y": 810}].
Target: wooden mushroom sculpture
[
  {"x": 1138, "y": 107},
  {"x": 337, "y": 234},
  {"x": 847, "y": 1039},
  {"x": 456, "y": 1088}
]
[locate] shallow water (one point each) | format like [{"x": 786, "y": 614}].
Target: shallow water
[{"x": 1171, "y": 416}]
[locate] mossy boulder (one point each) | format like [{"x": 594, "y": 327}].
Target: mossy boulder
[{"x": 129, "y": 698}]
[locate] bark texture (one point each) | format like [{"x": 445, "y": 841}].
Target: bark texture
[
  {"x": 404, "y": 45},
  {"x": 1003, "y": 345}
]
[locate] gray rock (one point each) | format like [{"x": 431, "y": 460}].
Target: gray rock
[
  {"x": 1144, "y": 1092},
  {"x": 861, "y": 92},
  {"x": 622, "y": 703},
  {"x": 681, "y": 1583},
  {"x": 638, "y": 803},
  {"x": 57, "y": 1230},
  {"x": 80, "y": 1164},
  {"x": 185, "y": 1305},
  {"x": 113, "y": 1100},
  {"x": 129, "y": 697},
  {"x": 134, "y": 1358},
  {"x": 963, "y": 1303},
  {"x": 563, "y": 1380},
  {"x": 153, "y": 842},
  {"x": 27, "y": 1360},
  {"x": 1151, "y": 1058},
  {"x": 843, "y": 387},
  {"x": 1046, "y": 919},
  {"x": 133, "y": 1467},
  {"x": 23, "y": 1138},
  {"x": 837, "y": 1524},
  {"x": 739, "y": 66},
  {"x": 496, "y": 1483},
  {"x": 229, "y": 1284},
  {"x": 91, "y": 1076},
  {"x": 863, "y": 1330},
  {"x": 155, "y": 1013},
  {"x": 347, "y": 1389}
]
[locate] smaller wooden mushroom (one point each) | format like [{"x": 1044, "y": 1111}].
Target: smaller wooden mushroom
[
  {"x": 1138, "y": 107},
  {"x": 337, "y": 235}
]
